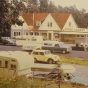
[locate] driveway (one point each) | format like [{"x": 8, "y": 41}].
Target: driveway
[{"x": 81, "y": 71}]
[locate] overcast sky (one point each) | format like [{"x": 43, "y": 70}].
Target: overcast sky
[{"x": 78, "y": 3}]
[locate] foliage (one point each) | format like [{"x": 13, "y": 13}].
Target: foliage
[
  {"x": 3, "y": 41},
  {"x": 9, "y": 13},
  {"x": 23, "y": 82},
  {"x": 73, "y": 61}
]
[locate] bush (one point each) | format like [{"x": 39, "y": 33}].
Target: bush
[{"x": 4, "y": 41}]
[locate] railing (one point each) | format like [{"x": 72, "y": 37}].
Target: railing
[{"x": 76, "y": 29}]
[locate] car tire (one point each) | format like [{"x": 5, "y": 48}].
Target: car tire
[
  {"x": 63, "y": 51},
  {"x": 50, "y": 61},
  {"x": 35, "y": 60}
]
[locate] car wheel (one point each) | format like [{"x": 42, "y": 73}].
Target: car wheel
[
  {"x": 50, "y": 61},
  {"x": 63, "y": 51},
  {"x": 35, "y": 60}
]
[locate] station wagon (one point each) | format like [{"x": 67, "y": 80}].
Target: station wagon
[{"x": 44, "y": 56}]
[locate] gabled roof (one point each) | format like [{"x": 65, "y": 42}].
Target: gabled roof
[
  {"x": 31, "y": 19},
  {"x": 60, "y": 19},
  {"x": 39, "y": 17},
  {"x": 28, "y": 18},
  {"x": 63, "y": 19}
]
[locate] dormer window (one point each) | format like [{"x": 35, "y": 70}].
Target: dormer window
[{"x": 38, "y": 23}]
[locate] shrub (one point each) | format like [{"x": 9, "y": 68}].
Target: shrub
[{"x": 4, "y": 41}]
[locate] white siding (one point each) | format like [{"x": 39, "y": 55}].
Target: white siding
[
  {"x": 73, "y": 23},
  {"x": 21, "y": 29},
  {"x": 44, "y": 25}
]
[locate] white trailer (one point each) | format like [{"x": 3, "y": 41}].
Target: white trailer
[
  {"x": 29, "y": 42},
  {"x": 24, "y": 60}
]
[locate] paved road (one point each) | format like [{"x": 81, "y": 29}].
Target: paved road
[
  {"x": 81, "y": 71},
  {"x": 79, "y": 54}
]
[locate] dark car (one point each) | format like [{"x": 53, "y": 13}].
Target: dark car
[{"x": 55, "y": 46}]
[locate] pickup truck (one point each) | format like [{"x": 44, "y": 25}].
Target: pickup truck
[{"x": 55, "y": 46}]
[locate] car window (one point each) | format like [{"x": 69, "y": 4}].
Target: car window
[
  {"x": 56, "y": 45},
  {"x": 41, "y": 53},
  {"x": 47, "y": 52},
  {"x": 36, "y": 53}
]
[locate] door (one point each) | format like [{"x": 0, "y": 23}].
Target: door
[
  {"x": 49, "y": 36},
  {"x": 42, "y": 56},
  {"x": 57, "y": 48}
]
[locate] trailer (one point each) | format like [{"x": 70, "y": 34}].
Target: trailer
[
  {"x": 49, "y": 70},
  {"x": 29, "y": 42},
  {"x": 21, "y": 63}
]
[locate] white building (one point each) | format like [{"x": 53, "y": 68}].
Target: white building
[{"x": 51, "y": 26}]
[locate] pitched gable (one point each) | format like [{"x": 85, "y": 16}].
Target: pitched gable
[
  {"x": 60, "y": 19},
  {"x": 63, "y": 19},
  {"x": 31, "y": 19}
]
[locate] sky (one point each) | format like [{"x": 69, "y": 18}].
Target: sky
[{"x": 78, "y": 3}]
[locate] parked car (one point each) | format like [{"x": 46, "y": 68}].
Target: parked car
[
  {"x": 55, "y": 46},
  {"x": 44, "y": 56}
]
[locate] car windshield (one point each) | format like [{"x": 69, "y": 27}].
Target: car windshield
[{"x": 47, "y": 52}]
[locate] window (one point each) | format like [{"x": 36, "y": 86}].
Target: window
[
  {"x": 69, "y": 24},
  {"x": 49, "y": 24},
  {"x": 14, "y": 33},
  {"x": 78, "y": 35},
  {"x": 19, "y": 33},
  {"x": 13, "y": 60},
  {"x": 36, "y": 53},
  {"x": 13, "y": 66},
  {"x": 45, "y": 44},
  {"x": 26, "y": 33},
  {"x": 41, "y": 53},
  {"x": 6, "y": 64},
  {"x": 82, "y": 36},
  {"x": 31, "y": 33},
  {"x": 36, "y": 33},
  {"x": 38, "y": 23},
  {"x": 56, "y": 45}
]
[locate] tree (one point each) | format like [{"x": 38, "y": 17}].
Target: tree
[
  {"x": 52, "y": 8},
  {"x": 3, "y": 16},
  {"x": 43, "y": 6},
  {"x": 8, "y": 16}
]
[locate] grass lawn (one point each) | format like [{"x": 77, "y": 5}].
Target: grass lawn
[{"x": 77, "y": 61}]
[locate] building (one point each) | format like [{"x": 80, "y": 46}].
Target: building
[{"x": 51, "y": 26}]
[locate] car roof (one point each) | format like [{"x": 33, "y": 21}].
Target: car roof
[{"x": 40, "y": 50}]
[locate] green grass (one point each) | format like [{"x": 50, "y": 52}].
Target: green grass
[{"x": 77, "y": 61}]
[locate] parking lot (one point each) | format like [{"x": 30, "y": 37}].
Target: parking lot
[{"x": 73, "y": 53}]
